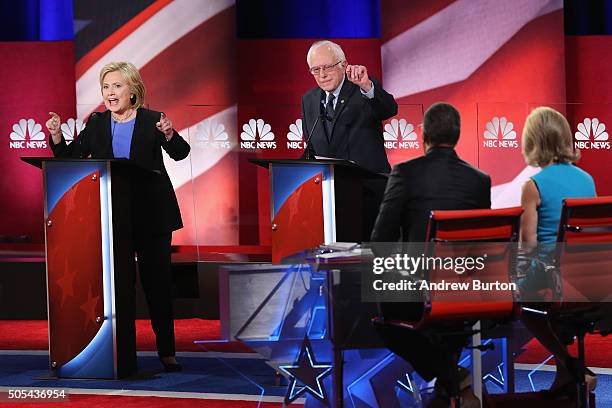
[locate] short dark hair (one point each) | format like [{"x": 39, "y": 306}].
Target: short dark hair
[{"x": 441, "y": 124}]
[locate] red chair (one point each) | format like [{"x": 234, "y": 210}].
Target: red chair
[
  {"x": 483, "y": 229},
  {"x": 467, "y": 232},
  {"x": 584, "y": 261},
  {"x": 583, "y": 254}
]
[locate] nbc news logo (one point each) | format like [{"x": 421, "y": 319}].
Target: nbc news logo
[
  {"x": 295, "y": 138},
  {"x": 27, "y": 135},
  {"x": 211, "y": 134},
  {"x": 249, "y": 136},
  {"x": 399, "y": 134},
  {"x": 72, "y": 128},
  {"x": 500, "y": 134},
  {"x": 598, "y": 131}
]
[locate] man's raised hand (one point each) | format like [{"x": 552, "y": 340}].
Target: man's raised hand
[{"x": 358, "y": 74}]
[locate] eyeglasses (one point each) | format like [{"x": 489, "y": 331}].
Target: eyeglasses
[{"x": 325, "y": 68}]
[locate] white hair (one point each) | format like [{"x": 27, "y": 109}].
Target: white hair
[{"x": 332, "y": 46}]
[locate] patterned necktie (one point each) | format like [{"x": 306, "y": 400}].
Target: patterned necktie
[{"x": 329, "y": 114}]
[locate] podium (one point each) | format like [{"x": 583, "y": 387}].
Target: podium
[
  {"x": 90, "y": 266},
  {"x": 314, "y": 202}
]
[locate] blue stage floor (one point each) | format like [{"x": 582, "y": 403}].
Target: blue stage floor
[
  {"x": 224, "y": 374},
  {"x": 200, "y": 375}
]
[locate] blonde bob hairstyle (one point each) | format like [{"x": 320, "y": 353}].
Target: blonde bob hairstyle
[
  {"x": 132, "y": 77},
  {"x": 547, "y": 138}
]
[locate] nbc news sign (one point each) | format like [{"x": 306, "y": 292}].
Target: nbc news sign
[
  {"x": 591, "y": 134},
  {"x": 27, "y": 134}
]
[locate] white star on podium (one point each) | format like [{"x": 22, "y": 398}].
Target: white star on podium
[{"x": 308, "y": 373}]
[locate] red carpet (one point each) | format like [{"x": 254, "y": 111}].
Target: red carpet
[
  {"x": 598, "y": 351},
  {"x": 87, "y": 401},
  {"x": 33, "y": 335}
]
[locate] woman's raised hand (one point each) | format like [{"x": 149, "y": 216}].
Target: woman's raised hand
[
  {"x": 165, "y": 126},
  {"x": 54, "y": 126}
]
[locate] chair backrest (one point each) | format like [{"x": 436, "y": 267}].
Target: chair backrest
[
  {"x": 584, "y": 252},
  {"x": 586, "y": 220},
  {"x": 475, "y": 225},
  {"x": 473, "y": 233}
]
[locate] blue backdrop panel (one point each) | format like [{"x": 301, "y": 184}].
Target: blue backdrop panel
[
  {"x": 308, "y": 19},
  {"x": 36, "y": 20}
]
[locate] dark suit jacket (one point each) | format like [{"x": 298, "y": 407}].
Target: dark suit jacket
[
  {"x": 155, "y": 206},
  {"x": 357, "y": 132},
  {"x": 440, "y": 180}
]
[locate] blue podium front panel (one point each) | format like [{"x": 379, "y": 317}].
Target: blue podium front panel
[
  {"x": 302, "y": 207},
  {"x": 79, "y": 269}
]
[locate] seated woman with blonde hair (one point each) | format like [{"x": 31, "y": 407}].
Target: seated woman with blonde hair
[{"x": 548, "y": 144}]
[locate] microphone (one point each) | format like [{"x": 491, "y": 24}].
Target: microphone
[{"x": 308, "y": 152}]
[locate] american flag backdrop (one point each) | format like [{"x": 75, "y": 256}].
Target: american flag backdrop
[
  {"x": 492, "y": 59},
  {"x": 230, "y": 76},
  {"x": 185, "y": 51}
]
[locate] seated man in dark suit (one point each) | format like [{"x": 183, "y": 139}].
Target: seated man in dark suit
[{"x": 439, "y": 180}]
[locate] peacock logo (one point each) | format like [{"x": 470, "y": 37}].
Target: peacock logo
[
  {"x": 210, "y": 134},
  {"x": 72, "y": 128},
  {"x": 295, "y": 136},
  {"x": 591, "y": 134},
  {"x": 399, "y": 134},
  {"x": 500, "y": 133},
  {"x": 27, "y": 134},
  {"x": 257, "y": 134}
]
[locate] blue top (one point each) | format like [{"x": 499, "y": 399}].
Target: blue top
[
  {"x": 122, "y": 137},
  {"x": 556, "y": 182}
]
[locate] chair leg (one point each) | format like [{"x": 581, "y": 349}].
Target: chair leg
[
  {"x": 583, "y": 392},
  {"x": 338, "y": 378},
  {"x": 455, "y": 399},
  {"x": 454, "y": 392},
  {"x": 477, "y": 361}
]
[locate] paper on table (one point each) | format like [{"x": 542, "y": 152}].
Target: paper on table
[
  {"x": 340, "y": 246},
  {"x": 333, "y": 158}
]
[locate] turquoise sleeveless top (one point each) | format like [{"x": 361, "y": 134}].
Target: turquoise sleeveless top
[{"x": 556, "y": 182}]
